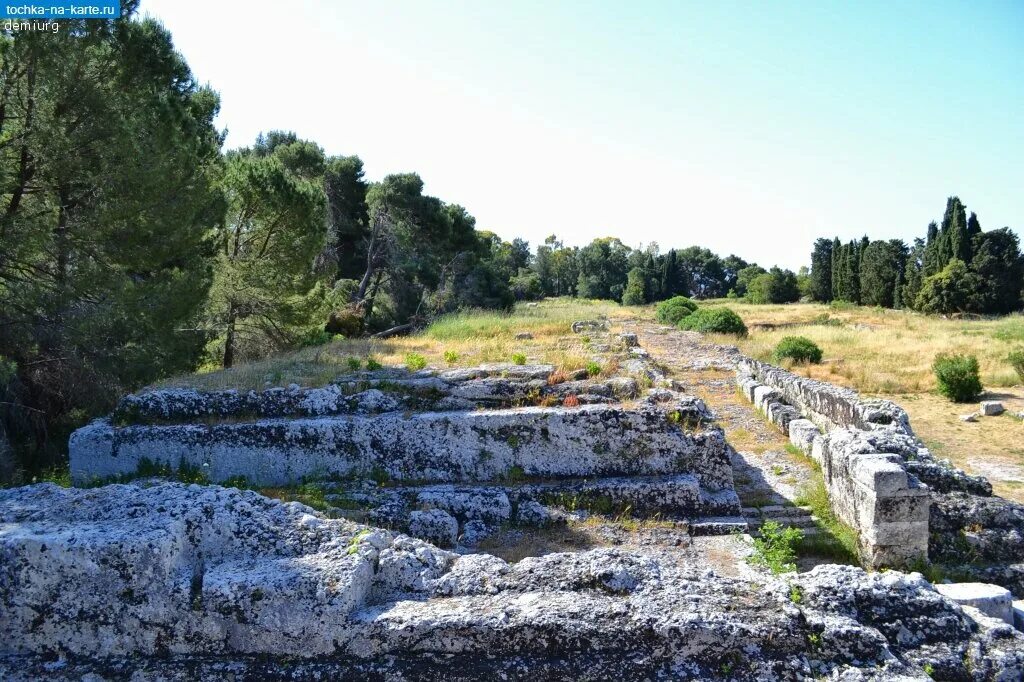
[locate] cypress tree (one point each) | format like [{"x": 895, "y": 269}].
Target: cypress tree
[
  {"x": 837, "y": 267},
  {"x": 821, "y": 271},
  {"x": 973, "y": 227},
  {"x": 931, "y": 250},
  {"x": 954, "y": 226}
]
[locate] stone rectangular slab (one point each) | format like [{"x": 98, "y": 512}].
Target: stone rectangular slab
[
  {"x": 483, "y": 445},
  {"x": 991, "y": 600}
]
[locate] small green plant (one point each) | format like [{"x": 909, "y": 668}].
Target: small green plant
[
  {"x": 519, "y": 358},
  {"x": 796, "y": 595},
  {"x": 776, "y": 548},
  {"x": 354, "y": 363},
  {"x": 415, "y": 362},
  {"x": 380, "y": 475},
  {"x": 797, "y": 349},
  {"x": 815, "y": 640},
  {"x": 957, "y": 376},
  {"x": 929, "y": 669},
  {"x": 674, "y": 309},
  {"x": 1016, "y": 360},
  {"x": 593, "y": 369},
  {"x": 451, "y": 357},
  {"x": 714, "y": 321},
  {"x": 372, "y": 364}
]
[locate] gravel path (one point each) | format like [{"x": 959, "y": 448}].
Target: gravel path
[{"x": 766, "y": 474}]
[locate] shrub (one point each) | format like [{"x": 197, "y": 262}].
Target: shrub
[
  {"x": 519, "y": 358},
  {"x": 1016, "y": 360},
  {"x": 451, "y": 357},
  {"x": 354, "y": 363},
  {"x": 957, "y": 376},
  {"x": 776, "y": 548},
  {"x": 415, "y": 361},
  {"x": 798, "y": 349},
  {"x": 714, "y": 321},
  {"x": 674, "y": 309},
  {"x": 593, "y": 369},
  {"x": 373, "y": 364}
]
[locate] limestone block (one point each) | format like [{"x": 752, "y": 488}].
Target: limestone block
[
  {"x": 991, "y": 408},
  {"x": 991, "y": 600},
  {"x": 482, "y": 445},
  {"x": 1018, "y": 614},
  {"x": 434, "y": 525},
  {"x": 763, "y": 395},
  {"x": 802, "y": 433},
  {"x": 880, "y": 473}
]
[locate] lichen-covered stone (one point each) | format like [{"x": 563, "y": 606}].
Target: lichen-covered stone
[
  {"x": 434, "y": 525},
  {"x": 186, "y": 582},
  {"x": 593, "y": 440}
]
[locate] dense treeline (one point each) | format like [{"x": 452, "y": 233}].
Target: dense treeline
[
  {"x": 956, "y": 268},
  {"x": 132, "y": 248}
]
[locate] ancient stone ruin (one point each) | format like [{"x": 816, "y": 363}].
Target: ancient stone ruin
[
  {"x": 130, "y": 576},
  {"x": 906, "y": 505}
]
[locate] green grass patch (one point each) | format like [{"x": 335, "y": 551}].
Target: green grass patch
[{"x": 835, "y": 540}]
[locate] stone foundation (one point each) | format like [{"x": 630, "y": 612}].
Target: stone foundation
[
  {"x": 200, "y": 582},
  {"x": 869, "y": 487}
]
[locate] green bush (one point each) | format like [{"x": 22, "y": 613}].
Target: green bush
[
  {"x": 674, "y": 309},
  {"x": 519, "y": 358},
  {"x": 798, "y": 349},
  {"x": 957, "y": 376},
  {"x": 415, "y": 361},
  {"x": 354, "y": 363},
  {"x": 714, "y": 321},
  {"x": 373, "y": 364},
  {"x": 1016, "y": 360},
  {"x": 451, "y": 357},
  {"x": 776, "y": 548}
]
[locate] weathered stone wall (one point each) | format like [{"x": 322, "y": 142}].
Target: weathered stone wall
[
  {"x": 482, "y": 445},
  {"x": 873, "y": 493},
  {"x": 868, "y": 484},
  {"x": 825, "y": 404},
  {"x": 201, "y": 582}
]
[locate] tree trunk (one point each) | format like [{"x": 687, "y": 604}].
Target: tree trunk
[{"x": 229, "y": 342}]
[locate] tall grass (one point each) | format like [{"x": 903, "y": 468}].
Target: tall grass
[{"x": 461, "y": 339}]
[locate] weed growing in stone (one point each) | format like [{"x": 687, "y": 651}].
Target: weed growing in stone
[
  {"x": 518, "y": 358},
  {"x": 451, "y": 357},
  {"x": 593, "y": 369},
  {"x": 776, "y": 548}
]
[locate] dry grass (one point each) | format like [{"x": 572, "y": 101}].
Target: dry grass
[
  {"x": 889, "y": 354},
  {"x": 467, "y": 338}
]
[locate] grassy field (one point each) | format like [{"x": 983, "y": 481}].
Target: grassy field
[
  {"x": 889, "y": 353},
  {"x": 884, "y": 353},
  {"x": 459, "y": 340}
]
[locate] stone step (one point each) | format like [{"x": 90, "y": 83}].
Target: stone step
[
  {"x": 483, "y": 445},
  {"x": 792, "y": 521},
  {"x": 776, "y": 511},
  {"x": 722, "y": 525},
  {"x": 670, "y": 497}
]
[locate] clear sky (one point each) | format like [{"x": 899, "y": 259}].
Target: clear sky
[{"x": 748, "y": 128}]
